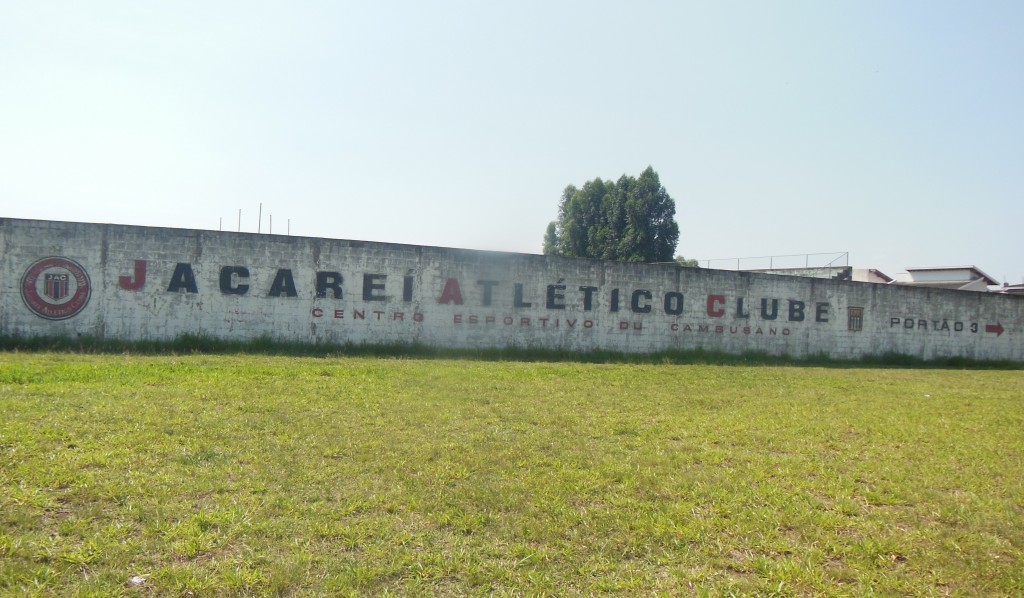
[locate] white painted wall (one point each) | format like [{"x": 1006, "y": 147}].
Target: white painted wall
[{"x": 721, "y": 310}]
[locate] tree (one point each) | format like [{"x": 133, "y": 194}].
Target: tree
[
  {"x": 629, "y": 220},
  {"x": 551, "y": 239},
  {"x": 682, "y": 261}
]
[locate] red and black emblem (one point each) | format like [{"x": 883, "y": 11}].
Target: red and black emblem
[{"x": 55, "y": 288}]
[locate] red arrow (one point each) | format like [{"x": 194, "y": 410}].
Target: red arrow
[{"x": 997, "y": 328}]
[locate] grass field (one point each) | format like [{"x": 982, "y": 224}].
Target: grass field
[{"x": 254, "y": 475}]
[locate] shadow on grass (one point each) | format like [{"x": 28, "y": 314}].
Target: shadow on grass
[{"x": 192, "y": 344}]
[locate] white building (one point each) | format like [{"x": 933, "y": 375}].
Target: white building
[{"x": 960, "y": 278}]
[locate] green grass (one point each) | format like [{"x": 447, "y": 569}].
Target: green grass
[
  {"x": 270, "y": 475},
  {"x": 190, "y": 344}
]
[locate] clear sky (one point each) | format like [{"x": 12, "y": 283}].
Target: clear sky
[{"x": 891, "y": 130}]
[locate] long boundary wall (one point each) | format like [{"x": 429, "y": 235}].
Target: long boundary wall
[{"x": 134, "y": 283}]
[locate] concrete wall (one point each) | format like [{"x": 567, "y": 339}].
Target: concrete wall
[{"x": 126, "y": 282}]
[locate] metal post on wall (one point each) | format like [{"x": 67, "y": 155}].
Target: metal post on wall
[
  {"x": 259, "y": 222},
  {"x": 239, "y": 219}
]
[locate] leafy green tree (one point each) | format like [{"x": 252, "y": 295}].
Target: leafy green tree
[
  {"x": 630, "y": 220},
  {"x": 682, "y": 261},
  {"x": 551, "y": 239}
]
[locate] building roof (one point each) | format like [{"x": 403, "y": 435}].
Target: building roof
[
  {"x": 949, "y": 274},
  {"x": 871, "y": 273}
]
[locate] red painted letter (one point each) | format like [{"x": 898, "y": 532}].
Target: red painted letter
[
  {"x": 715, "y": 303},
  {"x": 452, "y": 292},
  {"x": 126, "y": 282}
]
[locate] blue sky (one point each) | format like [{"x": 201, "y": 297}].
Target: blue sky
[{"x": 890, "y": 130}]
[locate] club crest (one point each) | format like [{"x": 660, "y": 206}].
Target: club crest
[{"x": 55, "y": 288}]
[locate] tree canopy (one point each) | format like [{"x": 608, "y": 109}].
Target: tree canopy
[{"x": 629, "y": 220}]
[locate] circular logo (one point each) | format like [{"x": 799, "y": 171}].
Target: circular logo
[{"x": 55, "y": 288}]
